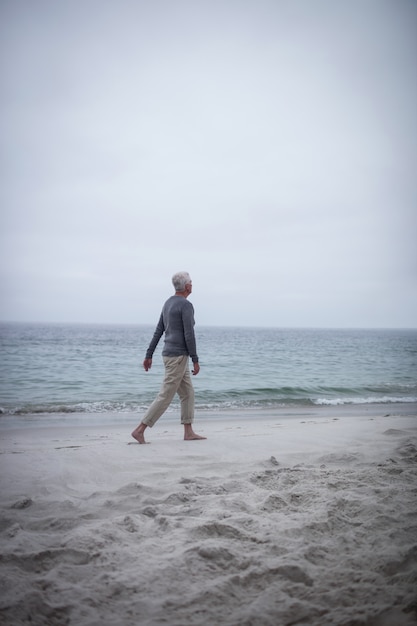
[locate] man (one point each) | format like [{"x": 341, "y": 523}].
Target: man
[{"x": 177, "y": 322}]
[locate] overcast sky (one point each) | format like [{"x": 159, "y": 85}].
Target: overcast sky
[{"x": 268, "y": 147}]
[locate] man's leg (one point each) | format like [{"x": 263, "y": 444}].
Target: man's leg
[
  {"x": 186, "y": 394},
  {"x": 174, "y": 373}
]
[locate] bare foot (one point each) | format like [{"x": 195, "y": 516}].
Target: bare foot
[
  {"x": 190, "y": 435},
  {"x": 138, "y": 434}
]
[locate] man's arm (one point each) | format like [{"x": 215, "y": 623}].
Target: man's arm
[
  {"x": 189, "y": 336},
  {"x": 159, "y": 331}
]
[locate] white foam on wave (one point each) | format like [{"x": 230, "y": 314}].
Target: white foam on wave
[{"x": 369, "y": 400}]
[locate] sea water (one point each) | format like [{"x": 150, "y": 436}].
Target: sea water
[{"x": 55, "y": 368}]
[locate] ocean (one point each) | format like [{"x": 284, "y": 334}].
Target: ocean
[{"x": 62, "y": 369}]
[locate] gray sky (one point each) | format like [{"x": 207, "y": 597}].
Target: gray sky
[{"x": 268, "y": 147}]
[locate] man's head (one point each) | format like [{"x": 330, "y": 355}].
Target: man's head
[{"x": 181, "y": 280}]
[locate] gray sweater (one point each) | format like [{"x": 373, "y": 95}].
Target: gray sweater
[{"x": 177, "y": 322}]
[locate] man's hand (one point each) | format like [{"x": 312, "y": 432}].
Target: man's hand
[
  {"x": 195, "y": 369},
  {"x": 147, "y": 364}
]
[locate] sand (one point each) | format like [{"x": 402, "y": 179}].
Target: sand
[{"x": 278, "y": 518}]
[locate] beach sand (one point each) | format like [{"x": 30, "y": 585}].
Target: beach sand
[{"x": 279, "y": 518}]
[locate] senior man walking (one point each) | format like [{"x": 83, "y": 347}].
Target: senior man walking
[{"x": 177, "y": 322}]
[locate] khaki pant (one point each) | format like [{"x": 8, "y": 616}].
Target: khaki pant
[{"x": 177, "y": 380}]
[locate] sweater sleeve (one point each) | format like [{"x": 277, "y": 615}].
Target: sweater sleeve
[
  {"x": 189, "y": 336},
  {"x": 159, "y": 331}
]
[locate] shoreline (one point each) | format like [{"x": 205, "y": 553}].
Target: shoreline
[{"x": 348, "y": 409}]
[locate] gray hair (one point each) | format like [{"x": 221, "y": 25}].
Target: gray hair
[{"x": 180, "y": 279}]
